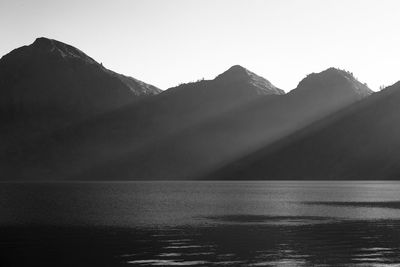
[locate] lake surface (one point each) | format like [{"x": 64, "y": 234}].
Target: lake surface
[{"x": 271, "y": 223}]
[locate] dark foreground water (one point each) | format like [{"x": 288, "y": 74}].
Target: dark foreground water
[{"x": 200, "y": 224}]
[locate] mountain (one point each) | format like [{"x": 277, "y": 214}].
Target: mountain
[
  {"x": 135, "y": 127},
  {"x": 333, "y": 81},
  {"x": 361, "y": 142},
  {"x": 239, "y": 78},
  {"x": 316, "y": 98},
  {"x": 232, "y": 88},
  {"x": 91, "y": 126},
  {"x": 197, "y": 151},
  {"x": 49, "y": 85}
]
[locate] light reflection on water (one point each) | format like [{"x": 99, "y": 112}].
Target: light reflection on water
[{"x": 202, "y": 223}]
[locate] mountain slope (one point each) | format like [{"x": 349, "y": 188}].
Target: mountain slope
[
  {"x": 361, "y": 142},
  {"x": 334, "y": 81},
  {"x": 135, "y": 127},
  {"x": 48, "y": 85},
  {"x": 316, "y": 97},
  {"x": 199, "y": 150}
]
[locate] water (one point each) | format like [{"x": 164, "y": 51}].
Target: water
[{"x": 200, "y": 224}]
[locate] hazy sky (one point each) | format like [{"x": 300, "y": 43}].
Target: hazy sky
[{"x": 166, "y": 42}]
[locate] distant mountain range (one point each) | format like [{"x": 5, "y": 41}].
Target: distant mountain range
[{"x": 67, "y": 117}]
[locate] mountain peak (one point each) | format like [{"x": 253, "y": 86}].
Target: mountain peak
[
  {"x": 43, "y": 42},
  {"x": 235, "y": 73},
  {"x": 49, "y": 73},
  {"x": 54, "y": 47},
  {"x": 339, "y": 72},
  {"x": 333, "y": 79},
  {"x": 330, "y": 75},
  {"x": 240, "y": 75},
  {"x": 237, "y": 68}
]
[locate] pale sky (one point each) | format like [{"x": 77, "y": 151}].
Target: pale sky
[{"x": 166, "y": 42}]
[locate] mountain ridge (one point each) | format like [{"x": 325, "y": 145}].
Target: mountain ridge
[
  {"x": 238, "y": 74},
  {"x": 48, "y": 85},
  {"x": 185, "y": 132},
  {"x": 360, "y": 142},
  {"x": 335, "y": 78},
  {"x": 193, "y": 152}
]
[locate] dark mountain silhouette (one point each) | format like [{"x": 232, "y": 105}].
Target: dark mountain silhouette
[
  {"x": 361, "y": 142},
  {"x": 200, "y": 148},
  {"x": 71, "y": 118},
  {"x": 333, "y": 81},
  {"x": 136, "y": 126},
  {"x": 48, "y": 85},
  {"x": 239, "y": 78},
  {"x": 232, "y": 88}
]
